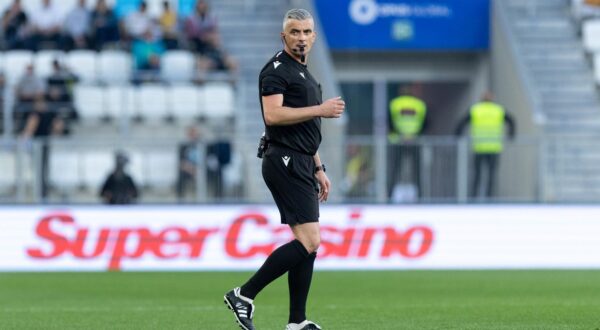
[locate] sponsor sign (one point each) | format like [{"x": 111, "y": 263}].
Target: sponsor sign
[
  {"x": 353, "y": 237},
  {"x": 405, "y": 24}
]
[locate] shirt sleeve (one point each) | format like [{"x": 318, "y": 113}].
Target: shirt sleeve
[{"x": 273, "y": 84}]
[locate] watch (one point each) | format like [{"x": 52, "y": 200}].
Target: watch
[{"x": 320, "y": 168}]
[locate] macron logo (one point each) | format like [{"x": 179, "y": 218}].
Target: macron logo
[
  {"x": 286, "y": 160},
  {"x": 276, "y": 64},
  {"x": 302, "y": 74}
]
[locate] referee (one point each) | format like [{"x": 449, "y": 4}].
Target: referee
[{"x": 292, "y": 108}]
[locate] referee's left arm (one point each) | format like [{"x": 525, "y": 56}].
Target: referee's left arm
[{"x": 324, "y": 183}]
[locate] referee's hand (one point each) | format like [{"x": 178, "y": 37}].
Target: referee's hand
[{"x": 333, "y": 108}]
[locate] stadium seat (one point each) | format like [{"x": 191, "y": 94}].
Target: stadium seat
[
  {"x": 89, "y": 102},
  {"x": 217, "y": 100},
  {"x": 115, "y": 66},
  {"x": 184, "y": 101},
  {"x": 64, "y": 171},
  {"x": 43, "y": 61},
  {"x": 97, "y": 165},
  {"x": 177, "y": 66},
  {"x": 15, "y": 62},
  {"x": 84, "y": 64},
  {"x": 162, "y": 169},
  {"x": 8, "y": 170},
  {"x": 121, "y": 101},
  {"x": 152, "y": 100},
  {"x": 591, "y": 35}
]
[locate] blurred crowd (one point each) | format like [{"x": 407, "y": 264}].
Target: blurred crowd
[{"x": 99, "y": 28}]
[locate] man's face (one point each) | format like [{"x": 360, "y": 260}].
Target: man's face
[{"x": 299, "y": 33}]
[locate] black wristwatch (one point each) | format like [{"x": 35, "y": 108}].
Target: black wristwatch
[{"x": 320, "y": 168}]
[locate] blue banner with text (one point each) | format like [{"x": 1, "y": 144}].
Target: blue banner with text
[{"x": 405, "y": 24}]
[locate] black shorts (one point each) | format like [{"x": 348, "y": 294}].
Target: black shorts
[{"x": 290, "y": 177}]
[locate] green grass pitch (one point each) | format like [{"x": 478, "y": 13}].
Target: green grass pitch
[{"x": 371, "y": 300}]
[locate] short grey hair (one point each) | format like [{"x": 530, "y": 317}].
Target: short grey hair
[{"x": 297, "y": 14}]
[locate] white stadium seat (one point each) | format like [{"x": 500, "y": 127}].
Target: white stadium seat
[
  {"x": 84, "y": 64},
  {"x": 162, "y": 168},
  {"x": 121, "y": 101},
  {"x": 96, "y": 167},
  {"x": 115, "y": 66},
  {"x": 591, "y": 35},
  {"x": 178, "y": 66},
  {"x": 15, "y": 62},
  {"x": 8, "y": 170},
  {"x": 217, "y": 100},
  {"x": 184, "y": 101},
  {"x": 152, "y": 100},
  {"x": 90, "y": 101},
  {"x": 43, "y": 61},
  {"x": 65, "y": 169}
]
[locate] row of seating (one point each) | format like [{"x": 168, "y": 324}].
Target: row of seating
[
  {"x": 108, "y": 66},
  {"x": 591, "y": 43},
  {"x": 74, "y": 169},
  {"x": 214, "y": 100},
  {"x": 64, "y": 6}
]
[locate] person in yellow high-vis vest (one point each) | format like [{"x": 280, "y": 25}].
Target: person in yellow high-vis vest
[
  {"x": 407, "y": 118},
  {"x": 488, "y": 122}
]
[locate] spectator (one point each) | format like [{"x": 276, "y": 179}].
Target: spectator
[
  {"x": 76, "y": 28},
  {"x": 189, "y": 160},
  {"x": 358, "y": 181},
  {"x": 60, "y": 96},
  {"x": 104, "y": 26},
  {"x": 42, "y": 123},
  {"x": 119, "y": 187},
  {"x": 407, "y": 122},
  {"x": 215, "y": 59},
  {"x": 488, "y": 120},
  {"x": 200, "y": 27},
  {"x": 138, "y": 22},
  {"x": 46, "y": 23},
  {"x": 14, "y": 25},
  {"x": 218, "y": 155},
  {"x": 168, "y": 24},
  {"x": 29, "y": 88},
  {"x": 146, "y": 55}
]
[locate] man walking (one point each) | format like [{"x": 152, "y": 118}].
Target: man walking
[{"x": 292, "y": 108}]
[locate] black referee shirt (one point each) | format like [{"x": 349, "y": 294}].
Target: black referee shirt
[{"x": 284, "y": 75}]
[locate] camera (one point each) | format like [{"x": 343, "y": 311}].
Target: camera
[{"x": 262, "y": 146}]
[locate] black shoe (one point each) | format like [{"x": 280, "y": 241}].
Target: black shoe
[
  {"x": 306, "y": 325},
  {"x": 242, "y": 308}
]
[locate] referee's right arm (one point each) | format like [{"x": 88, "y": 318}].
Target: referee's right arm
[{"x": 278, "y": 115}]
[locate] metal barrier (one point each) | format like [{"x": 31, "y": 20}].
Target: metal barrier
[{"x": 427, "y": 170}]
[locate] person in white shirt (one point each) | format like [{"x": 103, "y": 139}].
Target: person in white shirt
[
  {"x": 138, "y": 22},
  {"x": 46, "y": 24}
]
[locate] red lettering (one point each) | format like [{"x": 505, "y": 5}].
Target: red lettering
[
  {"x": 196, "y": 241},
  {"x": 233, "y": 235},
  {"x": 79, "y": 242},
  {"x": 365, "y": 242},
  {"x": 145, "y": 241},
  {"x": 398, "y": 242},
  {"x": 60, "y": 244},
  {"x": 339, "y": 247}
]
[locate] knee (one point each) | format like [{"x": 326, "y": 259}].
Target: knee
[{"x": 312, "y": 244}]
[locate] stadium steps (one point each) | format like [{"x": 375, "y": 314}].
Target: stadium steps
[
  {"x": 549, "y": 47},
  {"x": 251, "y": 47}
]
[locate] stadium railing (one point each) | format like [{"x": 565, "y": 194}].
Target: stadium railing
[{"x": 76, "y": 169}]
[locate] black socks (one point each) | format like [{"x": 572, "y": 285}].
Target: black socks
[
  {"x": 299, "y": 278},
  {"x": 284, "y": 258}
]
